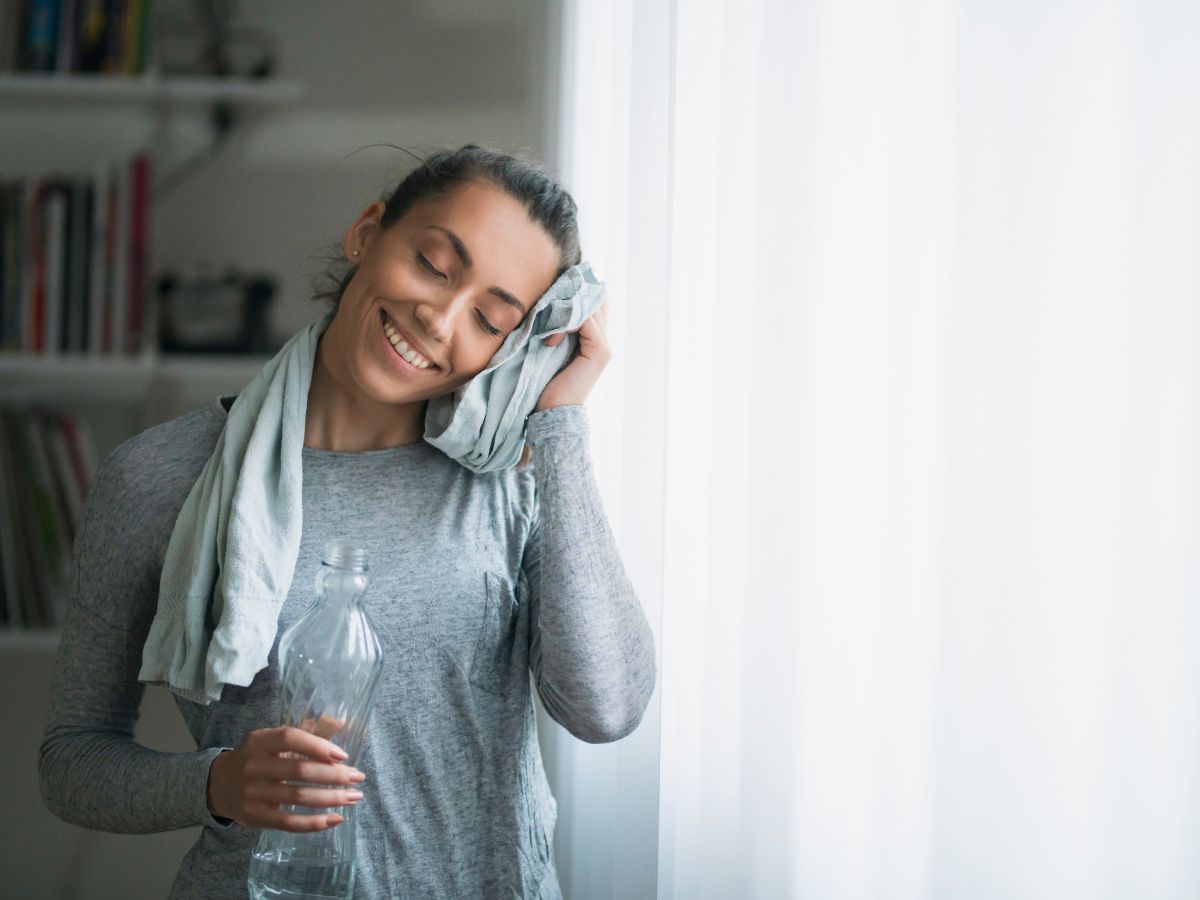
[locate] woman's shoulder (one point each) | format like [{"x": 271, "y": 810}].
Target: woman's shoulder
[
  {"x": 163, "y": 460},
  {"x": 131, "y": 511}
]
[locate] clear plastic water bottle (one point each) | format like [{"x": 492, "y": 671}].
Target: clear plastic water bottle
[{"x": 329, "y": 665}]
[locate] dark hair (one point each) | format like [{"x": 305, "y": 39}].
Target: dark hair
[{"x": 547, "y": 204}]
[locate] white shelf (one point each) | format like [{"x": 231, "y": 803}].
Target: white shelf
[
  {"x": 62, "y": 377},
  {"x": 146, "y": 89},
  {"x": 29, "y": 640}
]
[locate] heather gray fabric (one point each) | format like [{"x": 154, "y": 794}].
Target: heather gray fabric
[{"x": 477, "y": 580}]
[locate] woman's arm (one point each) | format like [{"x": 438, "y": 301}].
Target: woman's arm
[
  {"x": 591, "y": 650},
  {"x": 92, "y": 771}
]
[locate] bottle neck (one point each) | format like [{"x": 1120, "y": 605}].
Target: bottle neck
[{"x": 342, "y": 587}]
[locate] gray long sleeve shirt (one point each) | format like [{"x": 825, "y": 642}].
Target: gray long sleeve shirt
[{"x": 478, "y": 582}]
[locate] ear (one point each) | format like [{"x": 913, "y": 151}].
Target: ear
[{"x": 361, "y": 235}]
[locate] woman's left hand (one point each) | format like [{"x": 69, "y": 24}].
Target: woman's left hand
[{"x": 571, "y": 386}]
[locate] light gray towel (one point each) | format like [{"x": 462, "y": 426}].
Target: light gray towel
[
  {"x": 482, "y": 424},
  {"x": 233, "y": 549}
]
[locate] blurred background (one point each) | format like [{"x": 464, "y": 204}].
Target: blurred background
[{"x": 900, "y": 438}]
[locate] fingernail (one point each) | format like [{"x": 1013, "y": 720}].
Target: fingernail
[
  {"x": 339, "y": 821},
  {"x": 354, "y": 795},
  {"x": 339, "y": 753},
  {"x": 356, "y": 775}
]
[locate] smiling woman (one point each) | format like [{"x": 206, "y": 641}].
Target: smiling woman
[
  {"x": 483, "y": 582},
  {"x": 440, "y": 273}
]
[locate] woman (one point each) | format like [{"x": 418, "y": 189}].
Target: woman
[{"x": 451, "y": 797}]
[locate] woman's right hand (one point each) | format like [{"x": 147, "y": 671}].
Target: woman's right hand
[{"x": 249, "y": 784}]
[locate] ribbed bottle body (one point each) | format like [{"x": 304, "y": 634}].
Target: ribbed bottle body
[{"x": 330, "y": 662}]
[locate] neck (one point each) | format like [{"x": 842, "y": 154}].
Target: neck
[{"x": 340, "y": 417}]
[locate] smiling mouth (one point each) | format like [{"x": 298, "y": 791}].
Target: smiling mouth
[{"x": 405, "y": 352}]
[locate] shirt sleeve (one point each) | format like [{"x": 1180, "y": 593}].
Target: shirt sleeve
[
  {"x": 92, "y": 771},
  {"x": 591, "y": 648}
]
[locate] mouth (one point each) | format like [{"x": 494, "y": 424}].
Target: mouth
[{"x": 406, "y": 354}]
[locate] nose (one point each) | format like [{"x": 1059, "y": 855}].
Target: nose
[{"x": 439, "y": 314}]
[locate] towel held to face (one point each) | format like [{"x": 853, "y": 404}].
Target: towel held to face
[{"x": 233, "y": 550}]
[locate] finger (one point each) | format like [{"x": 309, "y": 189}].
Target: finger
[
  {"x": 293, "y": 740},
  {"x": 555, "y": 339},
  {"x": 592, "y": 332},
  {"x": 301, "y": 824},
  {"x": 312, "y": 797},
  {"x": 280, "y": 769}
]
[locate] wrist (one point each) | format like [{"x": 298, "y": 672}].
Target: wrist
[{"x": 216, "y": 770}]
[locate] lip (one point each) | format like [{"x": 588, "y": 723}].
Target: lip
[{"x": 404, "y": 335}]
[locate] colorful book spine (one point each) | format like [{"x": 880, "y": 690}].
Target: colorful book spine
[
  {"x": 41, "y": 41},
  {"x": 74, "y": 262}
]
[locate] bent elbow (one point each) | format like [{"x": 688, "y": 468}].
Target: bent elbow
[
  {"x": 51, "y": 780},
  {"x": 603, "y": 718}
]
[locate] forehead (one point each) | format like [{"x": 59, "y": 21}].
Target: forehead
[{"x": 492, "y": 224}]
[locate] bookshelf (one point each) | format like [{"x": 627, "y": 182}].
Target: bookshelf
[
  {"x": 29, "y": 640},
  {"x": 114, "y": 394},
  {"x": 145, "y": 89}
]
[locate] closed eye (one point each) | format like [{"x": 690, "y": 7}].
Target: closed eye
[
  {"x": 486, "y": 325},
  {"x": 428, "y": 266}
]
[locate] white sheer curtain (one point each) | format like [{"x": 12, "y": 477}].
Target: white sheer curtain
[{"x": 903, "y": 440}]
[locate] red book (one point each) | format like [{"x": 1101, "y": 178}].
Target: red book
[{"x": 139, "y": 213}]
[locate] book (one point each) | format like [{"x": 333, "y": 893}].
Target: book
[
  {"x": 4, "y": 261},
  {"x": 111, "y": 254},
  {"x": 64, "y": 54},
  {"x": 14, "y": 564},
  {"x": 11, "y": 287},
  {"x": 133, "y": 33},
  {"x": 90, "y": 35},
  {"x": 31, "y": 250},
  {"x": 10, "y": 33},
  {"x": 78, "y": 260},
  {"x": 120, "y": 286},
  {"x": 41, "y": 35},
  {"x": 113, "y": 57},
  {"x": 51, "y": 519},
  {"x": 55, "y": 218},
  {"x": 98, "y": 268},
  {"x": 139, "y": 213},
  {"x": 78, "y": 445},
  {"x": 62, "y": 471},
  {"x": 29, "y": 531}
]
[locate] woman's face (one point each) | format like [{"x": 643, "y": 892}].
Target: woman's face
[{"x": 447, "y": 282}]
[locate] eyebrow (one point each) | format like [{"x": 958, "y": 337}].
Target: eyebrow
[
  {"x": 507, "y": 298},
  {"x": 459, "y": 247},
  {"x": 465, "y": 257}
]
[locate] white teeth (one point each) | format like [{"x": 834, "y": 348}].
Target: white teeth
[{"x": 403, "y": 349}]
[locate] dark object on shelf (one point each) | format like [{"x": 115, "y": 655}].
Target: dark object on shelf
[{"x": 215, "y": 314}]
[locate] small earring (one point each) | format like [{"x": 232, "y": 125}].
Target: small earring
[{"x": 356, "y": 253}]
